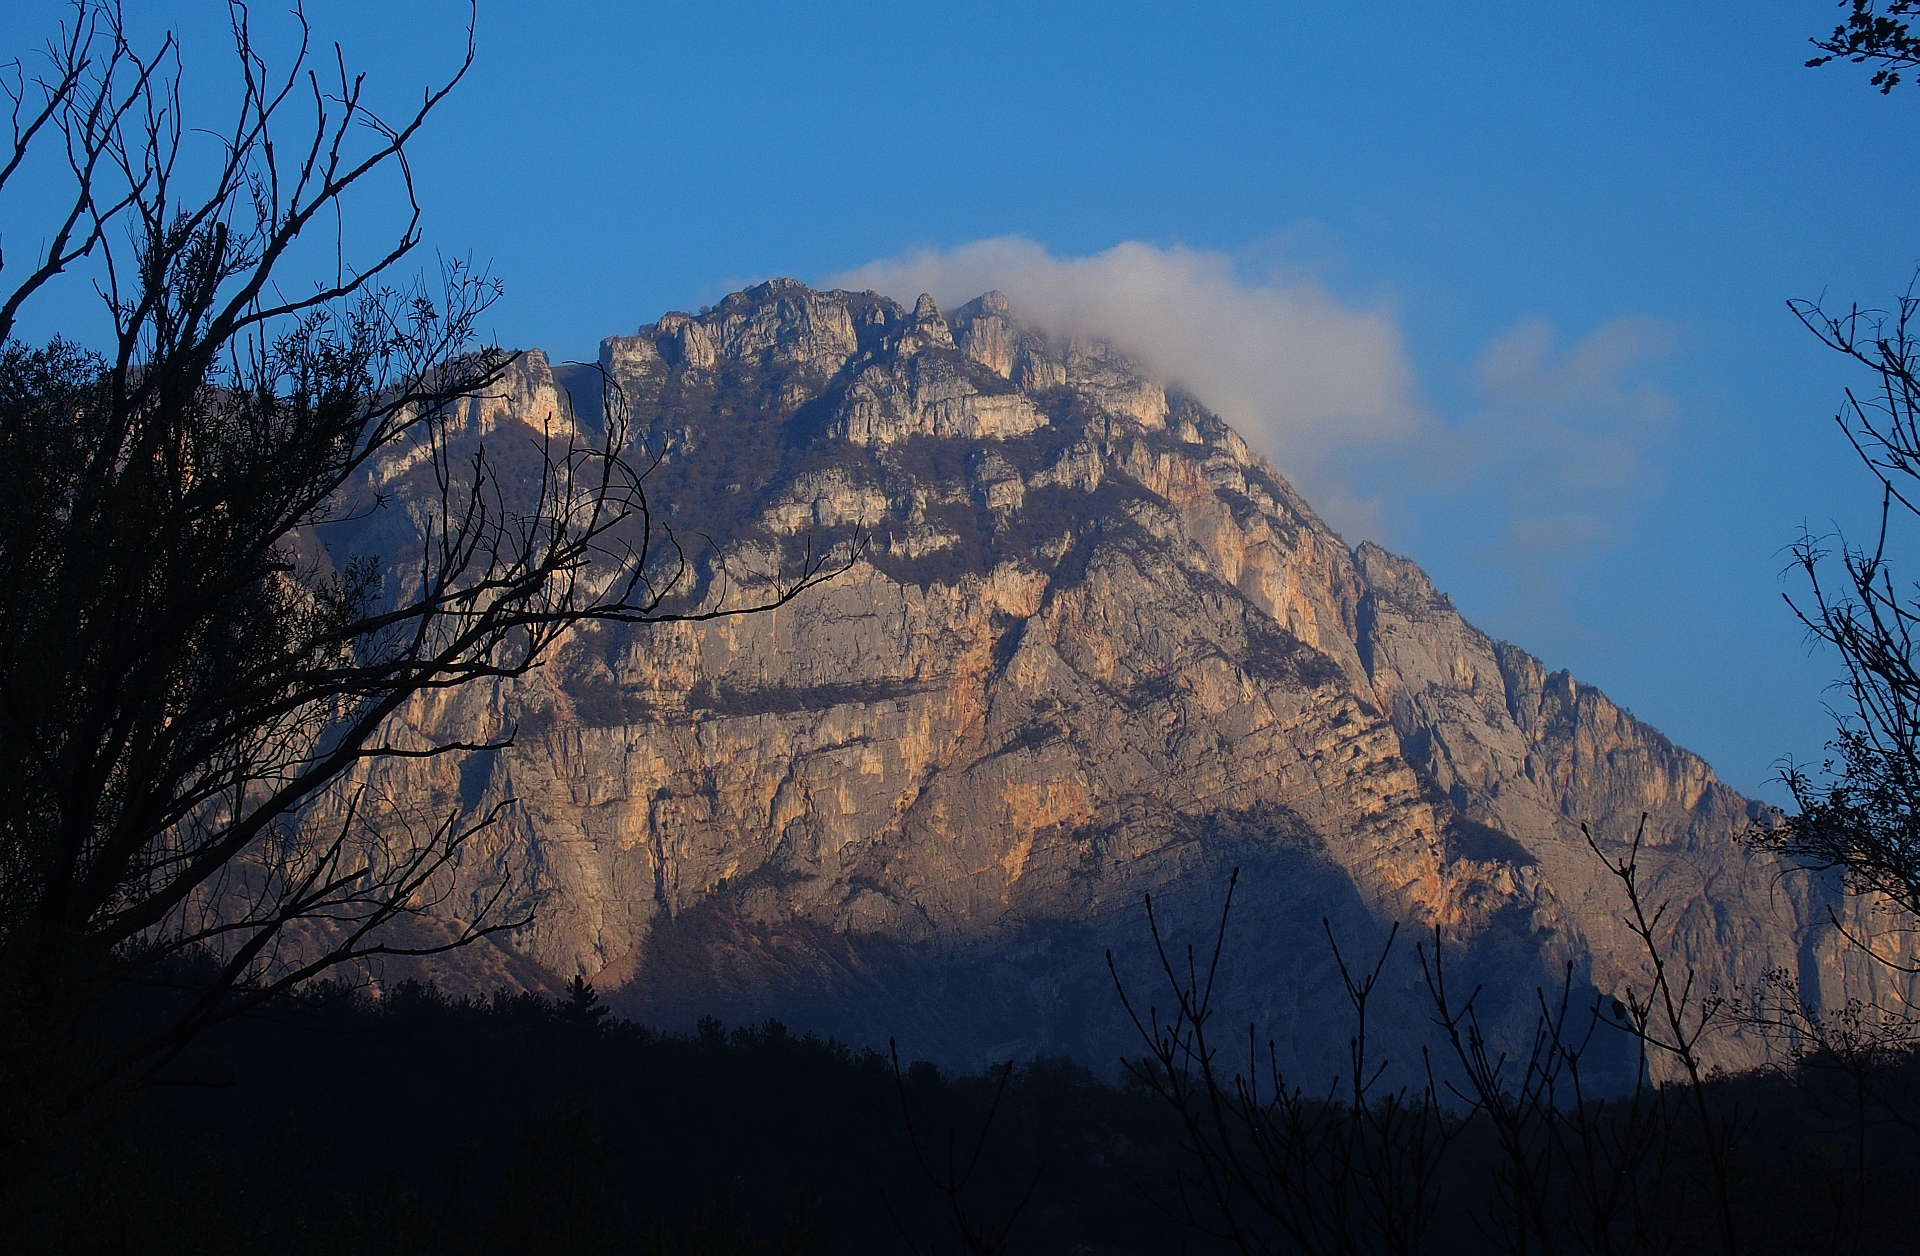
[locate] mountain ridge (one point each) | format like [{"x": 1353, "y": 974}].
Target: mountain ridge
[{"x": 1096, "y": 647}]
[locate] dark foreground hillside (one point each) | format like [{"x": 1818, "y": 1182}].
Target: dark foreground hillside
[
  {"x": 517, "y": 1125},
  {"x": 425, "y": 1124}
]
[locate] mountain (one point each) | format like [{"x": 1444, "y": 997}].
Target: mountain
[{"x": 1096, "y": 648}]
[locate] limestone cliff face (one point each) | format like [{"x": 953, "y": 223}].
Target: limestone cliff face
[{"x": 1095, "y": 648}]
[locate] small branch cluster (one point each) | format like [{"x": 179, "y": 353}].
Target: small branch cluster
[{"x": 1874, "y": 31}]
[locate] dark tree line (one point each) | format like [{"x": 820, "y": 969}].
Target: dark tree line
[{"x": 521, "y": 1124}]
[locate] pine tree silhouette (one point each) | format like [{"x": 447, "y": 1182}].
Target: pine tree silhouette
[{"x": 583, "y": 1006}]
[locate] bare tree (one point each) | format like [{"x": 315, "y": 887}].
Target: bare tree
[
  {"x": 1846, "y": 1064},
  {"x": 190, "y": 681},
  {"x": 1268, "y": 1166},
  {"x": 1860, "y": 813},
  {"x": 1568, "y": 1160},
  {"x": 972, "y": 1230},
  {"x": 1583, "y": 1167}
]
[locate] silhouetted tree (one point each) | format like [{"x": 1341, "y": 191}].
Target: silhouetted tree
[
  {"x": 1860, "y": 813},
  {"x": 582, "y": 1005},
  {"x": 1269, "y": 1167},
  {"x": 191, "y": 680},
  {"x": 950, "y": 1177},
  {"x": 1879, "y": 33},
  {"x": 1518, "y": 1142}
]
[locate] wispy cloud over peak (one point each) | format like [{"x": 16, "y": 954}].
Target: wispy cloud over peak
[
  {"x": 1545, "y": 457},
  {"x": 1526, "y": 366},
  {"x": 1303, "y": 375}
]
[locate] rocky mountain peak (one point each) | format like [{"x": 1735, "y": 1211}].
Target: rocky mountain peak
[
  {"x": 926, "y": 329},
  {"x": 988, "y": 335},
  {"x": 927, "y": 315},
  {"x": 1095, "y": 647},
  {"x": 1392, "y": 577}
]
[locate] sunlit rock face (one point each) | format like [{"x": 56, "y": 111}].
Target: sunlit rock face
[{"x": 1095, "y": 649}]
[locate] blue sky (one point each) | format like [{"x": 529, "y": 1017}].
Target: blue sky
[{"x": 1564, "y": 233}]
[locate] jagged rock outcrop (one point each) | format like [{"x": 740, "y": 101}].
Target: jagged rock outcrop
[{"x": 1095, "y": 648}]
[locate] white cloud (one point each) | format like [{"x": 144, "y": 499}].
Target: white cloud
[
  {"x": 1604, "y": 369},
  {"x": 1557, "y": 459},
  {"x": 1303, "y": 376},
  {"x": 1570, "y": 428},
  {"x": 1545, "y": 458}
]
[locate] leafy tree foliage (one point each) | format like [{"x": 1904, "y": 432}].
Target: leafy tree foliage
[{"x": 1877, "y": 33}]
